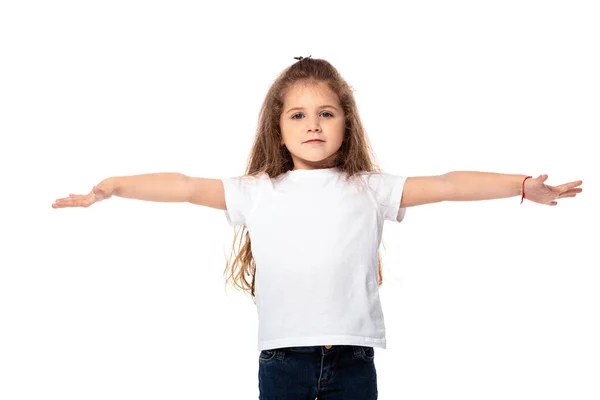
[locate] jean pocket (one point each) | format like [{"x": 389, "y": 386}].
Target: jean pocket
[
  {"x": 266, "y": 356},
  {"x": 367, "y": 353}
]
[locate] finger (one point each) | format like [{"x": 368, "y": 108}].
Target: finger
[
  {"x": 564, "y": 196},
  {"x": 68, "y": 205},
  {"x": 64, "y": 203},
  {"x": 71, "y": 197},
  {"x": 566, "y": 186},
  {"x": 77, "y": 203},
  {"x": 69, "y": 202},
  {"x": 571, "y": 192}
]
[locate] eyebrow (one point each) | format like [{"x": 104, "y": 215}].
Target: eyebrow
[{"x": 302, "y": 108}]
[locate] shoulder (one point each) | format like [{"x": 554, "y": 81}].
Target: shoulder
[
  {"x": 378, "y": 179},
  {"x": 250, "y": 179}
]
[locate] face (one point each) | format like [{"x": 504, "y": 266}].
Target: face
[{"x": 312, "y": 111}]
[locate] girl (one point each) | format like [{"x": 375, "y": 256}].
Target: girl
[{"x": 312, "y": 205}]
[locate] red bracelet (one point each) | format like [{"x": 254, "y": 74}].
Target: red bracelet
[{"x": 523, "y": 189}]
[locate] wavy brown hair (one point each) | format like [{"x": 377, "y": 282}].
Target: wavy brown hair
[{"x": 268, "y": 156}]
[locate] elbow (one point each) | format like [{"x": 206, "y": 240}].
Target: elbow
[{"x": 447, "y": 191}]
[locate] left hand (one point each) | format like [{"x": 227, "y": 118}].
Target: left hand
[{"x": 538, "y": 192}]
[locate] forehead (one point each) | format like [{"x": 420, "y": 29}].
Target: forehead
[{"x": 303, "y": 92}]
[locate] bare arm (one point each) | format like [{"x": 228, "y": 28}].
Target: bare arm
[
  {"x": 163, "y": 187},
  {"x": 173, "y": 187},
  {"x": 206, "y": 192},
  {"x": 460, "y": 186},
  {"x": 472, "y": 185}
]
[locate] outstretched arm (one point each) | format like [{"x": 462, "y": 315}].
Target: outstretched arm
[
  {"x": 472, "y": 185},
  {"x": 161, "y": 186}
]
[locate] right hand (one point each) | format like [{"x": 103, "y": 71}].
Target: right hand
[{"x": 104, "y": 190}]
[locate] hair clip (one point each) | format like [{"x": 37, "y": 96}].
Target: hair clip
[{"x": 302, "y": 58}]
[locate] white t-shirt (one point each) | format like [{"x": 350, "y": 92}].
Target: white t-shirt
[{"x": 315, "y": 236}]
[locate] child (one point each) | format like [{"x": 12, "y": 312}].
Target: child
[{"x": 313, "y": 206}]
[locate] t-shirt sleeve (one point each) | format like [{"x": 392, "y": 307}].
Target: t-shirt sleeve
[
  {"x": 241, "y": 194},
  {"x": 387, "y": 193}
]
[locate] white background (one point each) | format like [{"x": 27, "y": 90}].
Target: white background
[{"x": 126, "y": 299}]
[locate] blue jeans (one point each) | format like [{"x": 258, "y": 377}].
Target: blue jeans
[{"x": 314, "y": 372}]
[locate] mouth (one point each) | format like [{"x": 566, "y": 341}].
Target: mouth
[{"x": 314, "y": 141}]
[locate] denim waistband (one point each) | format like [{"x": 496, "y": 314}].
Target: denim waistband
[{"x": 319, "y": 349}]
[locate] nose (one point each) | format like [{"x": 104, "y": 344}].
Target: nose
[{"x": 314, "y": 126}]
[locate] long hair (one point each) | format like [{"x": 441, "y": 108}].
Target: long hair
[{"x": 269, "y": 156}]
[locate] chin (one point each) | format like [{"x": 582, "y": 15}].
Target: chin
[
  {"x": 316, "y": 160},
  {"x": 315, "y": 157}
]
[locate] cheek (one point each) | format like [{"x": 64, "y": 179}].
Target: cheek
[
  {"x": 283, "y": 130},
  {"x": 285, "y": 133},
  {"x": 341, "y": 130},
  {"x": 286, "y": 127}
]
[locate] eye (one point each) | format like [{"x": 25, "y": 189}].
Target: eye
[{"x": 324, "y": 112}]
